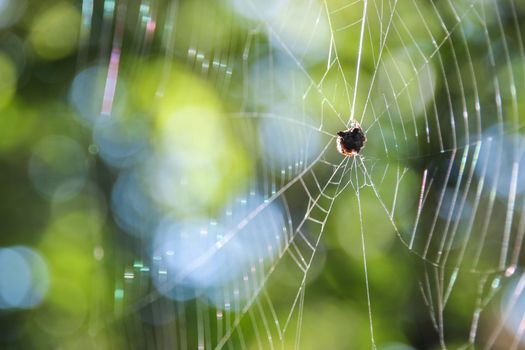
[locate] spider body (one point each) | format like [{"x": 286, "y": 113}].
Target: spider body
[{"x": 352, "y": 141}]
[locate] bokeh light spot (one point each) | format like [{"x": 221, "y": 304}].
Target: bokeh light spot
[
  {"x": 86, "y": 95},
  {"x": 58, "y": 167},
  {"x": 11, "y": 11},
  {"x": 25, "y": 277},
  {"x": 54, "y": 32}
]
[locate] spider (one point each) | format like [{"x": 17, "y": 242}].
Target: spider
[{"x": 351, "y": 141}]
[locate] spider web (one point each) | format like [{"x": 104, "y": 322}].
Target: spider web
[{"x": 437, "y": 86}]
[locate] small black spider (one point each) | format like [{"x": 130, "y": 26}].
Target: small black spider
[{"x": 350, "y": 142}]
